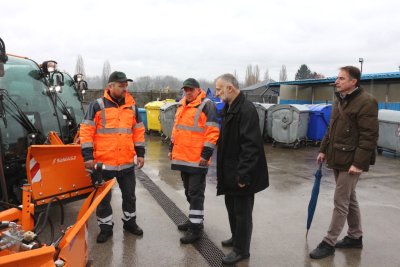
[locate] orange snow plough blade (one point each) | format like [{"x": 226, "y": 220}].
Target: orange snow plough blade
[{"x": 57, "y": 170}]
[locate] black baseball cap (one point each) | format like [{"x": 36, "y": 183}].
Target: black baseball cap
[
  {"x": 118, "y": 76},
  {"x": 191, "y": 83}
]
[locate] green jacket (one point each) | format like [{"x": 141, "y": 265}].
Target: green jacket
[{"x": 345, "y": 143}]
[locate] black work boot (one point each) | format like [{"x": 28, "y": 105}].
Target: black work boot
[
  {"x": 322, "y": 251},
  {"x": 104, "y": 236},
  {"x": 227, "y": 243},
  {"x": 185, "y": 226},
  {"x": 192, "y": 234},
  {"x": 133, "y": 228},
  {"x": 348, "y": 242}
]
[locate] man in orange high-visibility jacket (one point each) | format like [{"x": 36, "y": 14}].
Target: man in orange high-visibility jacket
[
  {"x": 194, "y": 138},
  {"x": 112, "y": 132}
]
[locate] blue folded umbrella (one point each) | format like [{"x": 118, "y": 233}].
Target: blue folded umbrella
[{"x": 314, "y": 197}]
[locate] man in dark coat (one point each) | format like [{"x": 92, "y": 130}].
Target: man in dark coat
[
  {"x": 348, "y": 148},
  {"x": 241, "y": 164}
]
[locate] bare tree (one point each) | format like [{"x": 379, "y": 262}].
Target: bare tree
[
  {"x": 156, "y": 83},
  {"x": 236, "y": 74},
  {"x": 80, "y": 66},
  {"x": 252, "y": 75},
  {"x": 283, "y": 74},
  {"x": 266, "y": 75},
  {"x": 256, "y": 74},
  {"x": 106, "y": 73}
]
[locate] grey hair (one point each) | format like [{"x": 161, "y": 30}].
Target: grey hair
[{"x": 230, "y": 79}]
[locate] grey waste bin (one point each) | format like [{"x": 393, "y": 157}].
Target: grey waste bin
[
  {"x": 289, "y": 124},
  {"x": 167, "y": 117},
  {"x": 389, "y": 131},
  {"x": 262, "y": 111}
]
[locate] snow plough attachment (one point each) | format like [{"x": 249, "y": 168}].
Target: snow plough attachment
[
  {"x": 57, "y": 171},
  {"x": 19, "y": 242}
]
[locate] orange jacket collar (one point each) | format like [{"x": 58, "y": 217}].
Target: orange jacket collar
[
  {"x": 195, "y": 102},
  {"x": 129, "y": 101}
]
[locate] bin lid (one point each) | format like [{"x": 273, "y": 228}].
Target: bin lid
[
  {"x": 297, "y": 107},
  {"x": 169, "y": 105},
  {"x": 154, "y": 105},
  {"x": 389, "y": 115},
  {"x": 264, "y": 106},
  {"x": 319, "y": 107}
]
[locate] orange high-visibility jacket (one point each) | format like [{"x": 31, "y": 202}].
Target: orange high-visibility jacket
[
  {"x": 195, "y": 134},
  {"x": 112, "y": 133}
]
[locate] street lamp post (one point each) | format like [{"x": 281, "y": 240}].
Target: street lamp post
[{"x": 361, "y": 60}]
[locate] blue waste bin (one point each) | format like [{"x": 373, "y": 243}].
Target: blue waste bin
[
  {"x": 320, "y": 115},
  {"x": 220, "y": 106},
  {"x": 143, "y": 116}
]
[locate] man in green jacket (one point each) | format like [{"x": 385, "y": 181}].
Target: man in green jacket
[{"x": 349, "y": 149}]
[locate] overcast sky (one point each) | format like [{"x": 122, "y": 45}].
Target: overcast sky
[{"x": 203, "y": 39}]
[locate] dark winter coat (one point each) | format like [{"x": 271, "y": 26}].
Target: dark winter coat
[
  {"x": 240, "y": 156},
  {"x": 352, "y": 142}
]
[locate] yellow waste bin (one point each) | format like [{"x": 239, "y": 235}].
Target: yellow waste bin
[{"x": 153, "y": 115}]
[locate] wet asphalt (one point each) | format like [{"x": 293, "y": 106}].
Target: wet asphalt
[{"x": 279, "y": 216}]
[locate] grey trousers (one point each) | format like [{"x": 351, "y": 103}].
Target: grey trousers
[{"x": 346, "y": 208}]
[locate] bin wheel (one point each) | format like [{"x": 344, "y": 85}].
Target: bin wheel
[
  {"x": 296, "y": 145},
  {"x": 380, "y": 151}
]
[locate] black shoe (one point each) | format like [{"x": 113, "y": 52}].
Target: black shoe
[
  {"x": 234, "y": 257},
  {"x": 323, "y": 250},
  {"x": 191, "y": 235},
  {"x": 133, "y": 228},
  {"x": 184, "y": 226},
  {"x": 104, "y": 236},
  {"x": 348, "y": 242},
  {"x": 227, "y": 243}
]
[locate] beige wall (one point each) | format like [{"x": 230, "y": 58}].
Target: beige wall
[
  {"x": 294, "y": 92},
  {"x": 394, "y": 92},
  {"x": 287, "y": 92},
  {"x": 304, "y": 93},
  {"x": 323, "y": 93},
  {"x": 379, "y": 89}
]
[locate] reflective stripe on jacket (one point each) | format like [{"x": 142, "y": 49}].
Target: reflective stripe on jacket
[
  {"x": 195, "y": 134},
  {"x": 112, "y": 133}
]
